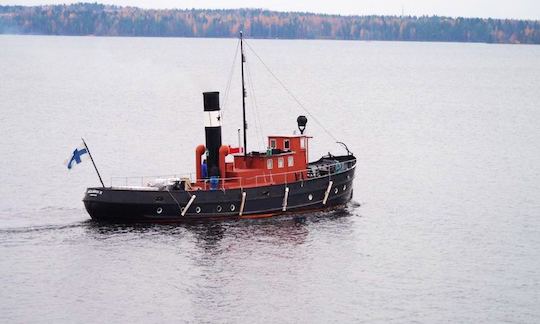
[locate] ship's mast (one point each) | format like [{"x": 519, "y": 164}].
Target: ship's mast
[{"x": 243, "y": 59}]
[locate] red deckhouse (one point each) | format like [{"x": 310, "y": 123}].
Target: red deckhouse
[{"x": 285, "y": 161}]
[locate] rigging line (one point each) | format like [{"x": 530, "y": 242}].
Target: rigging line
[
  {"x": 253, "y": 104},
  {"x": 258, "y": 125},
  {"x": 251, "y": 98},
  {"x": 257, "y": 115},
  {"x": 290, "y": 93},
  {"x": 229, "y": 81},
  {"x": 176, "y": 201}
]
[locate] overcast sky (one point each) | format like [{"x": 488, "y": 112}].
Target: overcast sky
[{"x": 524, "y": 9}]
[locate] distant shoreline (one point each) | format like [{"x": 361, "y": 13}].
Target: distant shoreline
[
  {"x": 91, "y": 19},
  {"x": 277, "y": 39}
]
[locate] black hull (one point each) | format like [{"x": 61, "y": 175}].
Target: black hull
[{"x": 129, "y": 205}]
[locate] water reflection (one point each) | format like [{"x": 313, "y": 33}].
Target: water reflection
[
  {"x": 208, "y": 236},
  {"x": 286, "y": 230}
]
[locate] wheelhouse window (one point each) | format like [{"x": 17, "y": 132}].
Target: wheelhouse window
[
  {"x": 280, "y": 162},
  {"x": 269, "y": 164},
  {"x": 273, "y": 143},
  {"x": 290, "y": 161},
  {"x": 303, "y": 143},
  {"x": 286, "y": 144}
]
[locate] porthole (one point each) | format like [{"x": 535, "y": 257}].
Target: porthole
[
  {"x": 198, "y": 209},
  {"x": 310, "y": 197},
  {"x": 218, "y": 208},
  {"x": 344, "y": 187},
  {"x": 233, "y": 207},
  {"x": 336, "y": 190},
  {"x": 159, "y": 210}
]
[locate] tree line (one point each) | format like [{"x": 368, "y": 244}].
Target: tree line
[{"x": 107, "y": 20}]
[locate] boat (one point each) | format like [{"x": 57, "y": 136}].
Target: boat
[{"x": 232, "y": 183}]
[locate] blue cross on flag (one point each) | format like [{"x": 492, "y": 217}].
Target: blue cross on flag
[{"x": 76, "y": 156}]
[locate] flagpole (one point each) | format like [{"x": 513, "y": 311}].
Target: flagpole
[{"x": 92, "y": 159}]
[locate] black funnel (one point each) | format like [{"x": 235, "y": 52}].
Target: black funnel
[{"x": 212, "y": 130}]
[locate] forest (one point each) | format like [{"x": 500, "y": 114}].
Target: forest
[{"x": 106, "y": 20}]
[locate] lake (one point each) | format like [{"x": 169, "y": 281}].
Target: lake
[{"x": 444, "y": 226}]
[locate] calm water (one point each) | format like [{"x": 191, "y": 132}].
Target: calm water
[{"x": 445, "y": 226}]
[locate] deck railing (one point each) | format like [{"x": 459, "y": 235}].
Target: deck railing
[
  {"x": 145, "y": 181},
  {"x": 314, "y": 172}
]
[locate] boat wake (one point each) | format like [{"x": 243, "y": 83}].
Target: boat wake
[{"x": 40, "y": 219}]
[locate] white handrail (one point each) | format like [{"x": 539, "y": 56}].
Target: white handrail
[{"x": 241, "y": 180}]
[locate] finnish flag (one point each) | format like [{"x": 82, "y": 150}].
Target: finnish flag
[{"x": 77, "y": 155}]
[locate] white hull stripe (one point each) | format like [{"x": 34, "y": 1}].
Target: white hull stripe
[
  {"x": 285, "y": 199},
  {"x": 188, "y": 205},
  {"x": 242, "y": 204},
  {"x": 327, "y": 192}
]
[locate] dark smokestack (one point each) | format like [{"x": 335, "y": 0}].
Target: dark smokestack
[{"x": 212, "y": 130}]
